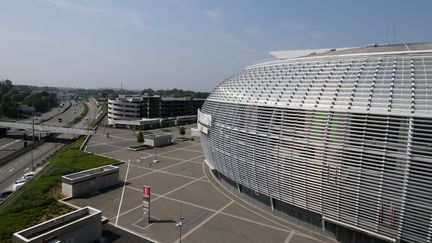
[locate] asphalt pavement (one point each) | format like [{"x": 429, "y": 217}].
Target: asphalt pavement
[
  {"x": 9, "y": 146},
  {"x": 53, "y": 112},
  {"x": 182, "y": 185},
  {"x": 16, "y": 168}
]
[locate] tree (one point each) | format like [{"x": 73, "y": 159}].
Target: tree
[
  {"x": 140, "y": 137},
  {"x": 182, "y": 131},
  {"x": 5, "y": 86}
]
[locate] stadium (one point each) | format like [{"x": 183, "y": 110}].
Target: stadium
[{"x": 340, "y": 139}]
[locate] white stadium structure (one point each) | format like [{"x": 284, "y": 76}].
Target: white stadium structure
[{"x": 340, "y": 139}]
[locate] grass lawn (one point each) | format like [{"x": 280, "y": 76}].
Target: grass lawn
[{"x": 36, "y": 201}]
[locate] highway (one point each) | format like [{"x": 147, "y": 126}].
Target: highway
[
  {"x": 10, "y": 145},
  {"x": 16, "y": 168},
  {"x": 74, "y": 111},
  {"x": 44, "y": 116}
]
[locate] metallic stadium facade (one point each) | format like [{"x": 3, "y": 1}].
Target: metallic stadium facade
[{"x": 341, "y": 139}]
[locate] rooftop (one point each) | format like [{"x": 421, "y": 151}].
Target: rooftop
[{"x": 368, "y": 50}]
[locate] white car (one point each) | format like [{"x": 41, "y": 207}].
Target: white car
[
  {"x": 28, "y": 176},
  {"x": 18, "y": 184}
]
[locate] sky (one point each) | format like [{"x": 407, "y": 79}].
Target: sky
[{"x": 185, "y": 44}]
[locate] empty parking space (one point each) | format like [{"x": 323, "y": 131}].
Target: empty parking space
[
  {"x": 187, "y": 169},
  {"x": 181, "y": 185}
]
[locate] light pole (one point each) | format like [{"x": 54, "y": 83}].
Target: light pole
[
  {"x": 33, "y": 136},
  {"x": 180, "y": 224},
  {"x": 155, "y": 159}
]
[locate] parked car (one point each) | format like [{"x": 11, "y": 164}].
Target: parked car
[
  {"x": 28, "y": 176},
  {"x": 18, "y": 184},
  {"x": 4, "y": 195}
]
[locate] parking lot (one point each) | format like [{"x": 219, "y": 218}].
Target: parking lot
[{"x": 181, "y": 184}]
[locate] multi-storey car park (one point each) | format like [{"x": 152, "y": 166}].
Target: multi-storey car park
[
  {"x": 148, "y": 110},
  {"x": 341, "y": 139}
]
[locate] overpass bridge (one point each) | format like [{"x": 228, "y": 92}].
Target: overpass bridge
[{"x": 47, "y": 128}]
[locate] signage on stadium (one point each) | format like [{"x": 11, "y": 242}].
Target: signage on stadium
[
  {"x": 202, "y": 128},
  {"x": 204, "y": 119}
]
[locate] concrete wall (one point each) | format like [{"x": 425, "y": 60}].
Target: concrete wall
[
  {"x": 83, "y": 225},
  {"x": 158, "y": 140},
  {"x": 90, "y": 184}
]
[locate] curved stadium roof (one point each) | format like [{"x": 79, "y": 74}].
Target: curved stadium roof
[{"x": 387, "y": 79}]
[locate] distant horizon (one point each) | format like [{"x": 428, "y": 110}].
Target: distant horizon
[
  {"x": 188, "y": 44},
  {"x": 102, "y": 88}
]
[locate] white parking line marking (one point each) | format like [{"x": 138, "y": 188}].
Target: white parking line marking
[
  {"x": 121, "y": 199},
  {"x": 205, "y": 221},
  {"x": 289, "y": 237}
]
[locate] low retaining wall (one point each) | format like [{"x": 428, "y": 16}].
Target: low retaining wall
[
  {"x": 88, "y": 181},
  {"x": 158, "y": 140},
  {"x": 82, "y": 225}
]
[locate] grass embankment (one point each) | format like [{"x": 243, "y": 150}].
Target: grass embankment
[
  {"x": 36, "y": 201},
  {"x": 78, "y": 118}
]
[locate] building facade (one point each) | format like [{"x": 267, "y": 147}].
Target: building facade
[
  {"x": 127, "y": 108},
  {"x": 339, "y": 139}
]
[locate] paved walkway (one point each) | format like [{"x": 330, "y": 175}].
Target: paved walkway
[{"x": 181, "y": 184}]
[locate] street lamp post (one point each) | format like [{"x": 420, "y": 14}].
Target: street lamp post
[
  {"x": 155, "y": 159},
  {"x": 33, "y": 139},
  {"x": 179, "y": 225}
]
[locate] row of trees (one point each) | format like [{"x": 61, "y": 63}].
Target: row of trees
[
  {"x": 104, "y": 93},
  {"x": 13, "y": 97},
  {"x": 175, "y": 93}
]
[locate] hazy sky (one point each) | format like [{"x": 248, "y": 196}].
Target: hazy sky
[{"x": 188, "y": 44}]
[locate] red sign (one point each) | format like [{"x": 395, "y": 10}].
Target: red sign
[{"x": 146, "y": 191}]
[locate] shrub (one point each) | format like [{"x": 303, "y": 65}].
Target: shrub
[
  {"x": 182, "y": 131},
  {"x": 140, "y": 137}
]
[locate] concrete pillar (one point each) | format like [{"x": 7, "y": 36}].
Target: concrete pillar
[
  {"x": 272, "y": 204},
  {"x": 238, "y": 188}
]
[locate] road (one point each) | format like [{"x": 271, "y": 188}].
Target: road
[
  {"x": 44, "y": 116},
  {"x": 10, "y": 145},
  {"x": 74, "y": 111},
  {"x": 16, "y": 168}
]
